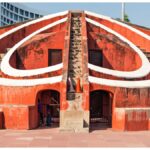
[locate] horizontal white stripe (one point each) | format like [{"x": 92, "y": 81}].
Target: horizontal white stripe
[
  {"x": 120, "y": 83},
  {"x": 30, "y": 82}
]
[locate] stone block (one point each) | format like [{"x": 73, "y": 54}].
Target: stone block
[
  {"x": 72, "y": 121},
  {"x": 131, "y": 119}
]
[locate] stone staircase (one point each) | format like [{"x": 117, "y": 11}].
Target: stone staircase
[
  {"x": 147, "y": 54},
  {"x": 73, "y": 118},
  {"x": 75, "y": 56},
  {"x": 75, "y": 60}
]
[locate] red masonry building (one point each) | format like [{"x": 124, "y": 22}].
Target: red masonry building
[{"x": 89, "y": 68}]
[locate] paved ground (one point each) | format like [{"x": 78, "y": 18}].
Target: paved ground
[{"x": 50, "y": 137}]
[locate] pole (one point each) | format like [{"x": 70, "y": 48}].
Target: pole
[{"x": 123, "y": 11}]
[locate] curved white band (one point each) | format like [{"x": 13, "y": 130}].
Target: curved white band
[
  {"x": 32, "y": 82},
  {"x": 142, "y": 71},
  {"x": 32, "y": 22},
  {"x": 7, "y": 69},
  {"x": 119, "y": 23}
]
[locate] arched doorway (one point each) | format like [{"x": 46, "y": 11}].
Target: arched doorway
[
  {"x": 100, "y": 109},
  {"x": 48, "y": 102}
]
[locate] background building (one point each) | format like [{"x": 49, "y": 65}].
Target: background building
[{"x": 14, "y": 12}]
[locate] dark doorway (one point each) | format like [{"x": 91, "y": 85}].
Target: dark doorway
[
  {"x": 96, "y": 57},
  {"x": 100, "y": 109},
  {"x": 54, "y": 56},
  {"x": 49, "y": 102}
]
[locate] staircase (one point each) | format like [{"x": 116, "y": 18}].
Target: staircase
[
  {"x": 75, "y": 61},
  {"x": 75, "y": 54},
  {"x": 147, "y": 54},
  {"x": 73, "y": 118}
]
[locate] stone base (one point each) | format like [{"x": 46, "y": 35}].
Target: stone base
[
  {"x": 131, "y": 119},
  {"x": 72, "y": 121}
]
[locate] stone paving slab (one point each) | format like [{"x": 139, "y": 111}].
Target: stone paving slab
[{"x": 50, "y": 137}]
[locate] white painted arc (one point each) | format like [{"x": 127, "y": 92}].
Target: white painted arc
[
  {"x": 6, "y": 67},
  {"x": 30, "y": 82},
  {"x": 119, "y": 23},
  {"x": 120, "y": 83},
  {"x": 140, "y": 72},
  {"x": 32, "y": 22}
]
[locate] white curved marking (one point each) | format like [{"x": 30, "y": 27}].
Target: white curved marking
[
  {"x": 120, "y": 23},
  {"x": 142, "y": 71},
  {"x": 30, "y": 82},
  {"x": 120, "y": 83},
  {"x": 32, "y": 22},
  {"x": 7, "y": 69}
]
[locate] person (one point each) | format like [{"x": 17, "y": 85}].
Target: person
[
  {"x": 40, "y": 112},
  {"x": 48, "y": 118}
]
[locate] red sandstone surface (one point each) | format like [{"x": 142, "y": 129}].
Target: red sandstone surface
[{"x": 19, "y": 104}]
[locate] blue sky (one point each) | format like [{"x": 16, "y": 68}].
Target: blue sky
[{"x": 139, "y": 13}]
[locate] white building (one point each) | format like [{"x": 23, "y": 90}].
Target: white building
[{"x": 14, "y": 12}]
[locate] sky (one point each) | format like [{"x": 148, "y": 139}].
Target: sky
[{"x": 139, "y": 13}]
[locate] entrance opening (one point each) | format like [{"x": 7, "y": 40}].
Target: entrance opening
[
  {"x": 48, "y": 108},
  {"x": 100, "y": 110}
]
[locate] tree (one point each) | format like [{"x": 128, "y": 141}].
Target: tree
[{"x": 126, "y": 18}]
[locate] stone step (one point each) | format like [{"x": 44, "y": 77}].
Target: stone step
[
  {"x": 76, "y": 37},
  {"x": 147, "y": 54},
  {"x": 75, "y": 48},
  {"x": 8, "y": 49},
  {"x": 75, "y": 42},
  {"x": 75, "y": 71},
  {"x": 75, "y": 32},
  {"x": 76, "y": 27},
  {"x": 2, "y": 55},
  {"x": 76, "y": 18}
]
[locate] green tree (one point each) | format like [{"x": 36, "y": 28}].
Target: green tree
[{"x": 126, "y": 18}]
